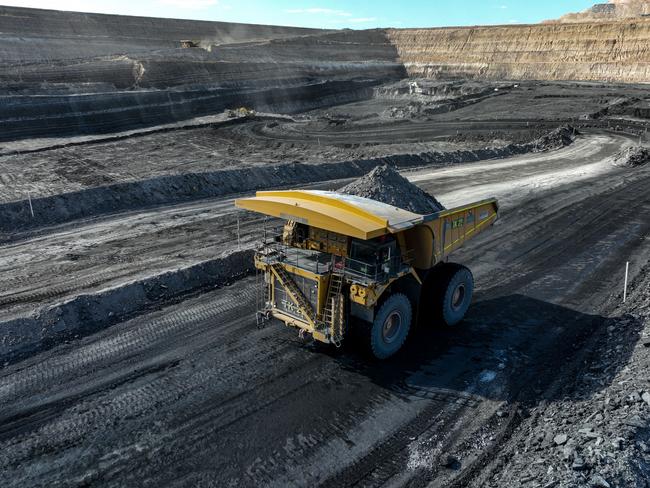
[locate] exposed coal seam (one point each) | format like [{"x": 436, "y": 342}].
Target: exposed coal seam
[
  {"x": 90, "y": 312},
  {"x": 129, "y": 135},
  {"x": 58, "y": 116}
]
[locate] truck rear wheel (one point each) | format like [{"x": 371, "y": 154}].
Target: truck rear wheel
[
  {"x": 391, "y": 326},
  {"x": 455, "y": 294}
]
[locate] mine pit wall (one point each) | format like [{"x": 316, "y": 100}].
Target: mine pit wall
[
  {"x": 28, "y": 35},
  {"x": 118, "y": 73},
  {"x": 50, "y": 116},
  {"x": 65, "y": 74},
  {"x": 607, "y": 51}
]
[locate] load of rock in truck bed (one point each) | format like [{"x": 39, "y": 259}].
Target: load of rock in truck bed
[{"x": 386, "y": 185}]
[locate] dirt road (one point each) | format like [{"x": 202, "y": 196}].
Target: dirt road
[
  {"x": 195, "y": 395},
  {"x": 89, "y": 255}
]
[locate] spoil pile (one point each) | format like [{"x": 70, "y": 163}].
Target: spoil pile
[
  {"x": 560, "y": 137},
  {"x": 386, "y": 185},
  {"x": 632, "y": 157},
  {"x": 597, "y": 433}
]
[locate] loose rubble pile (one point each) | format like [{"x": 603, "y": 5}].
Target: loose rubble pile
[
  {"x": 386, "y": 185},
  {"x": 598, "y": 434},
  {"x": 560, "y": 137},
  {"x": 632, "y": 157}
]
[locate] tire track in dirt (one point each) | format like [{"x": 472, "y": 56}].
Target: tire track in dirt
[{"x": 191, "y": 401}]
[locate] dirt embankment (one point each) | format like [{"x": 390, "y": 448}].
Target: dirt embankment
[
  {"x": 17, "y": 216},
  {"x": 607, "y": 51},
  {"x": 89, "y": 312}
]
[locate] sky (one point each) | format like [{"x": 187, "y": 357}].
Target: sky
[{"x": 330, "y": 14}]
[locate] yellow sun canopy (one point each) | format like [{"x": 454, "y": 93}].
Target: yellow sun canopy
[{"x": 349, "y": 215}]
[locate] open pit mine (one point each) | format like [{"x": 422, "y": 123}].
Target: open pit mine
[{"x": 132, "y": 278}]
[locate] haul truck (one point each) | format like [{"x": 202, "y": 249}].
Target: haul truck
[{"x": 347, "y": 265}]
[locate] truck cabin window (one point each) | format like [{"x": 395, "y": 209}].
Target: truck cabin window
[{"x": 375, "y": 255}]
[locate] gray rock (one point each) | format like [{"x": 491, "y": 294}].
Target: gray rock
[
  {"x": 618, "y": 443},
  {"x": 646, "y": 398},
  {"x": 448, "y": 461},
  {"x": 551, "y": 484},
  {"x": 579, "y": 464},
  {"x": 634, "y": 422},
  {"x": 560, "y": 439},
  {"x": 568, "y": 453},
  {"x": 598, "y": 481}
]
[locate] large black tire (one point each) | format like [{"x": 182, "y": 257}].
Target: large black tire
[
  {"x": 454, "y": 294},
  {"x": 387, "y": 333}
]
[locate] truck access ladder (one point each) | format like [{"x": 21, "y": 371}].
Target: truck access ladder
[
  {"x": 263, "y": 299},
  {"x": 294, "y": 292},
  {"x": 333, "y": 313}
]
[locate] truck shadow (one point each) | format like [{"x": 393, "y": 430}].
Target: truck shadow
[{"x": 511, "y": 348}]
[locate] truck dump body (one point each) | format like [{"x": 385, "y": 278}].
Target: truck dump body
[
  {"x": 340, "y": 256},
  {"x": 444, "y": 232},
  {"x": 343, "y": 214}
]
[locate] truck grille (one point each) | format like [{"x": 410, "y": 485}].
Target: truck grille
[{"x": 283, "y": 301}]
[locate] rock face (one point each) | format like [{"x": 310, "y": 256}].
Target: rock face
[
  {"x": 67, "y": 73},
  {"x": 134, "y": 72},
  {"x": 604, "y": 51},
  {"x": 386, "y": 185},
  {"x": 614, "y": 9},
  {"x": 47, "y": 35}
]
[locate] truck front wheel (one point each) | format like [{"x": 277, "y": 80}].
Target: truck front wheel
[{"x": 391, "y": 326}]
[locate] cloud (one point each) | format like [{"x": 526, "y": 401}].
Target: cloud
[
  {"x": 191, "y": 4},
  {"x": 361, "y": 20},
  {"x": 502, "y": 7},
  {"x": 319, "y": 10}
]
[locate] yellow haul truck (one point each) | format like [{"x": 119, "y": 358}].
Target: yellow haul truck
[{"x": 350, "y": 265}]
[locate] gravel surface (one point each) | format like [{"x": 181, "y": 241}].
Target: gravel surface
[
  {"x": 195, "y": 395},
  {"x": 386, "y": 185},
  {"x": 597, "y": 434},
  {"x": 129, "y": 352}
]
